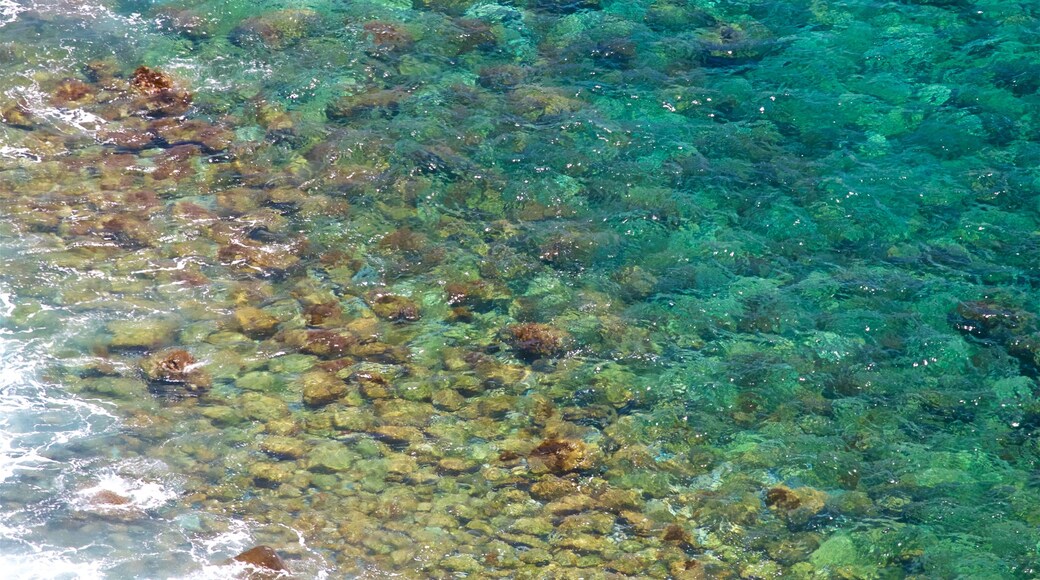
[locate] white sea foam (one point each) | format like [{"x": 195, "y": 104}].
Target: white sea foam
[{"x": 9, "y": 11}]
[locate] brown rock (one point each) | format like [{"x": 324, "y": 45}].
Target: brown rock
[
  {"x": 388, "y": 36},
  {"x": 176, "y": 366},
  {"x": 561, "y": 456},
  {"x": 323, "y": 313},
  {"x": 795, "y": 505},
  {"x": 551, "y": 488},
  {"x": 72, "y": 92},
  {"x": 393, "y": 307},
  {"x": 570, "y": 504},
  {"x": 533, "y": 340},
  {"x": 328, "y": 344},
  {"x": 384, "y": 102},
  {"x": 617, "y": 500},
  {"x": 157, "y": 93},
  {"x": 255, "y": 323},
  {"x": 321, "y": 388},
  {"x": 107, "y": 497},
  {"x": 262, "y": 557}
]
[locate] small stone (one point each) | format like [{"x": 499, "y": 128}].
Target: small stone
[
  {"x": 328, "y": 344},
  {"x": 641, "y": 524},
  {"x": 533, "y": 340},
  {"x": 177, "y": 367},
  {"x": 536, "y": 556},
  {"x": 261, "y": 381},
  {"x": 552, "y": 488},
  {"x": 677, "y": 535},
  {"x": 570, "y": 504},
  {"x": 383, "y": 102},
  {"x": 562, "y": 456},
  {"x": 255, "y": 323},
  {"x": 331, "y": 457},
  {"x": 448, "y": 400},
  {"x": 222, "y": 415},
  {"x": 393, "y": 307},
  {"x": 320, "y": 388},
  {"x": 283, "y": 447},
  {"x": 402, "y": 412},
  {"x": 797, "y": 505},
  {"x": 618, "y": 500},
  {"x": 373, "y": 385},
  {"x": 262, "y": 557},
  {"x": 533, "y": 526},
  {"x": 588, "y": 523},
  {"x": 585, "y": 543},
  {"x": 263, "y": 408},
  {"x": 397, "y": 435},
  {"x": 270, "y": 475},
  {"x": 277, "y": 29},
  {"x": 496, "y": 406},
  {"x": 144, "y": 334},
  {"x": 457, "y": 465}
]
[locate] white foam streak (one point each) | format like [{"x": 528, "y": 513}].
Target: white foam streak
[{"x": 9, "y": 11}]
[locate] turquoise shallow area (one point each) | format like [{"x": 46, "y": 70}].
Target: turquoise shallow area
[{"x": 534, "y": 289}]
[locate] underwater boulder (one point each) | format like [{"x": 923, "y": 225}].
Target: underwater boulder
[
  {"x": 156, "y": 93},
  {"x": 561, "y": 456},
  {"x": 534, "y": 340},
  {"x": 176, "y": 367},
  {"x": 275, "y": 30},
  {"x": 254, "y": 322},
  {"x": 393, "y": 307},
  {"x": 321, "y": 388},
  {"x": 564, "y": 6},
  {"x": 264, "y": 558}
]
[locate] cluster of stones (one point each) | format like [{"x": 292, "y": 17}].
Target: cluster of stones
[{"x": 413, "y": 402}]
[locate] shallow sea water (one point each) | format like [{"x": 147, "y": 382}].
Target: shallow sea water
[{"x": 530, "y": 289}]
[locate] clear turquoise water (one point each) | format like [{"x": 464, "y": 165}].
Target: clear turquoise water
[{"x": 532, "y": 289}]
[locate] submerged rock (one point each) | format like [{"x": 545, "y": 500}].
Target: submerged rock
[
  {"x": 534, "y": 340},
  {"x": 263, "y": 557},
  {"x": 176, "y": 367},
  {"x": 157, "y": 93},
  {"x": 142, "y": 334},
  {"x": 393, "y": 307},
  {"x": 255, "y": 323},
  {"x": 320, "y": 388},
  {"x": 276, "y": 30},
  {"x": 562, "y": 455}
]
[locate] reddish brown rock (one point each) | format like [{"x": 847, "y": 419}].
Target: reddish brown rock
[
  {"x": 795, "y": 505},
  {"x": 157, "y": 93},
  {"x": 211, "y": 137},
  {"x": 263, "y": 557},
  {"x": 107, "y": 497},
  {"x": 72, "y": 92},
  {"x": 561, "y": 456},
  {"x": 392, "y": 306},
  {"x": 473, "y": 34},
  {"x": 388, "y": 37},
  {"x": 176, "y": 367},
  {"x": 533, "y": 340},
  {"x": 328, "y": 344},
  {"x": 323, "y": 313},
  {"x": 149, "y": 82}
]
